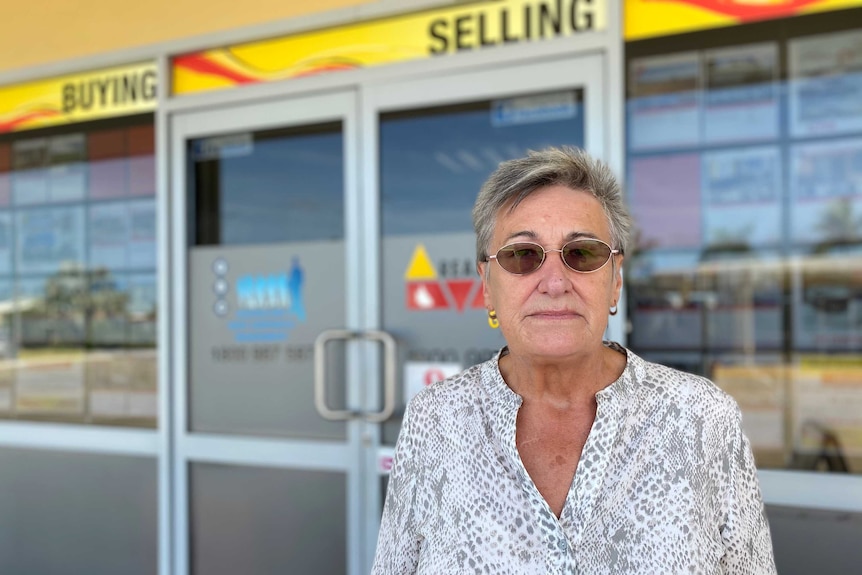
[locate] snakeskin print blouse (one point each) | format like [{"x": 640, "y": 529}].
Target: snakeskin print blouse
[{"x": 665, "y": 484}]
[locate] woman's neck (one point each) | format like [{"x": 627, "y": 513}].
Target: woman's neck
[{"x": 569, "y": 381}]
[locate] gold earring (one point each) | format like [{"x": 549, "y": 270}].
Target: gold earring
[{"x": 492, "y": 320}]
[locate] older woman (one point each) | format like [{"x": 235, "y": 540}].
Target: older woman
[{"x": 567, "y": 453}]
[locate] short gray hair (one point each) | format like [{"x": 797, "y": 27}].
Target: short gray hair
[{"x": 514, "y": 180}]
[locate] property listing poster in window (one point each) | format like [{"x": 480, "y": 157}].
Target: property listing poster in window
[
  {"x": 30, "y": 179},
  {"x": 108, "y": 233},
  {"x": 827, "y": 401},
  {"x": 142, "y": 311},
  {"x": 666, "y": 308},
  {"x": 7, "y": 368},
  {"x": 828, "y": 303},
  {"x": 5, "y": 174},
  {"x": 49, "y": 239},
  {"x": 142, "y": 234},
  {"x": 826, "y": 84},
  {"x": 742, "y": 194},
  {"x": 108, "y": 164},
  {"x": 740, "y": 101},
  {"x": 5, "y": 242},
  {"x": 67, "y": 172},
  {"x": 665, "y": 199},
  {"x": 826, "y": 184},
  {"x": 664, "y": 101},
  {"x": 142, "y": 161}
]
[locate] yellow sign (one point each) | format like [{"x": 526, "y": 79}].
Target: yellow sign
[
  {"x": 420, "y": 267},
  {"x": 648, "y": 18},
  {"x": 474, "y": 26},
  {"x": 78, "y": 97}
]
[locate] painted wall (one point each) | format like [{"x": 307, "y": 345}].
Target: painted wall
[{"x": 37, "y": 32}]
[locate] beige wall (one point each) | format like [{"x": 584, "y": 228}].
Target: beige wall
[{"x": 39, "y": 32}]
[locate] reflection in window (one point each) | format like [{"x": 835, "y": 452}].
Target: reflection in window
[
  {"x": 77, "y": 276},
  {"x": 745, "y": 179},
  {"x": 434, "y": 160},
  {"x": 273, "y": 186}
]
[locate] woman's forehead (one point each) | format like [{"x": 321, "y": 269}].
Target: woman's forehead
[{"x": 557, "y": 206}]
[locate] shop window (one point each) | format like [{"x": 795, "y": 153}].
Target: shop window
[
  {"x": 78, "y": 275},
  {"x": 744, "y": 174}
]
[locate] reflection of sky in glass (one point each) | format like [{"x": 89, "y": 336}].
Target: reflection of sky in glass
[
  {"x": 288, "y": 188},
  {"x": 433, "y": 162}
]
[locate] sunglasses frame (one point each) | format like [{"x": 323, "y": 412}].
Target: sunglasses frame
[{"x": 611, "y": 254}]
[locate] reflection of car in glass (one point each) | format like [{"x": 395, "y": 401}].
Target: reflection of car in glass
[{"x": 828, "y": 298}]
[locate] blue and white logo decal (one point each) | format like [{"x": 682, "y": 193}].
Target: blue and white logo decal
[{"x": 267, "y": 306}]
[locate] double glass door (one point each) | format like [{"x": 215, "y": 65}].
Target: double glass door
[{"x": 323, "y": 273}]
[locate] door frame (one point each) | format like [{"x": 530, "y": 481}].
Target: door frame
[{"x": 188, "y": 447}]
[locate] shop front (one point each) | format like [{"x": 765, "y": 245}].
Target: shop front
[{"x": 229, "y": 267}]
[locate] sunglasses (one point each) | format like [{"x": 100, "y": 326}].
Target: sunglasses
[{"x": 582, "y": 256}]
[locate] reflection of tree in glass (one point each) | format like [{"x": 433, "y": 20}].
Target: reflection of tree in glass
[
  {"x": 839, "y": 223},
  {"x": 76, "y": 295},
  {"x": 727, "y": 242}
]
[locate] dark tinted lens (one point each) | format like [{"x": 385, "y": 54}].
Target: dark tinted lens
[
  {"x": 520, "y": 258},
  {"x": 586, "y": 255}
]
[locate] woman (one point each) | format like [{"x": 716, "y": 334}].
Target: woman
[{"x": 566, "y": 453}]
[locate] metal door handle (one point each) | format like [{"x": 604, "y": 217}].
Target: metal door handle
[
  {"x": 320, "y": 374},
  {"x": 389, "y": 361}
]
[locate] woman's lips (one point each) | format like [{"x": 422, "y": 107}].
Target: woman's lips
[{"x": 554, "y": 314}]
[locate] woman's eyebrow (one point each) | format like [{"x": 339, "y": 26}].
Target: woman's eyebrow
[
  {"x": 533, "y": 236},
  {"x": 580, "y": 235},
  {"x": 523, "y": 233}
]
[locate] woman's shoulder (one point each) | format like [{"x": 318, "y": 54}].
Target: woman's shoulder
[{"x": 656, "y": 382}]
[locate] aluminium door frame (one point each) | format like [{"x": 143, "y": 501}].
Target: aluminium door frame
[{"x": 185, "y": 446}]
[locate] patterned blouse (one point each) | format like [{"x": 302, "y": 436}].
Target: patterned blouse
[{"x": 665, "y": 484}]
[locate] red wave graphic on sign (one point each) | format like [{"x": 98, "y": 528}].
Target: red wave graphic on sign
[
  {"x": 327, "y": 67},
  {"x": 745, "y": 11},
  {"x": 201, "y": 64},
  {"x": 13, "y": 122},
  {"x": 240, "y": 72}
]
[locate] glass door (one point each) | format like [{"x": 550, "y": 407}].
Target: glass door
[
  {"x": 436, "y": 140},
  {"x": 266, "y": 465}
]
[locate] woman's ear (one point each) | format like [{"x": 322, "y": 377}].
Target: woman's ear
[
  {"x": 482, "y": 268},
  {"x": 618, "y": 276}
]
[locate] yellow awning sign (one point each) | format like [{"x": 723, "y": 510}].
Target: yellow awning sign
[
  {"x": 118, "y": 91},
  {"x": 650, "y": 18},
  {"x": 420, "y": 267},
  {"x": 468, "y": 27}
]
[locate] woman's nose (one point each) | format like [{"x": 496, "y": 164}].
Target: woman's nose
[{"x": 554, "y": 274}]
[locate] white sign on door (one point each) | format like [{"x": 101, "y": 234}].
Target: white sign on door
[{"x": 420, "y": 374}]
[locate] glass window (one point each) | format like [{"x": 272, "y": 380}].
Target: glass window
[
  {"x": 77, "y": 274},
  {"x": 266, "y": 276},
  {"x": 272, "y": 186},
  {"x": 434, "y": 160},
  {"x": 744, "y": 173}
]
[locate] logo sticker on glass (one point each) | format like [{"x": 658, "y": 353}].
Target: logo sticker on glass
[
  {"x": 533, "y": 109},
  {"x": 221, "y": 147},
  {"x": 265, "y": 307}
]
